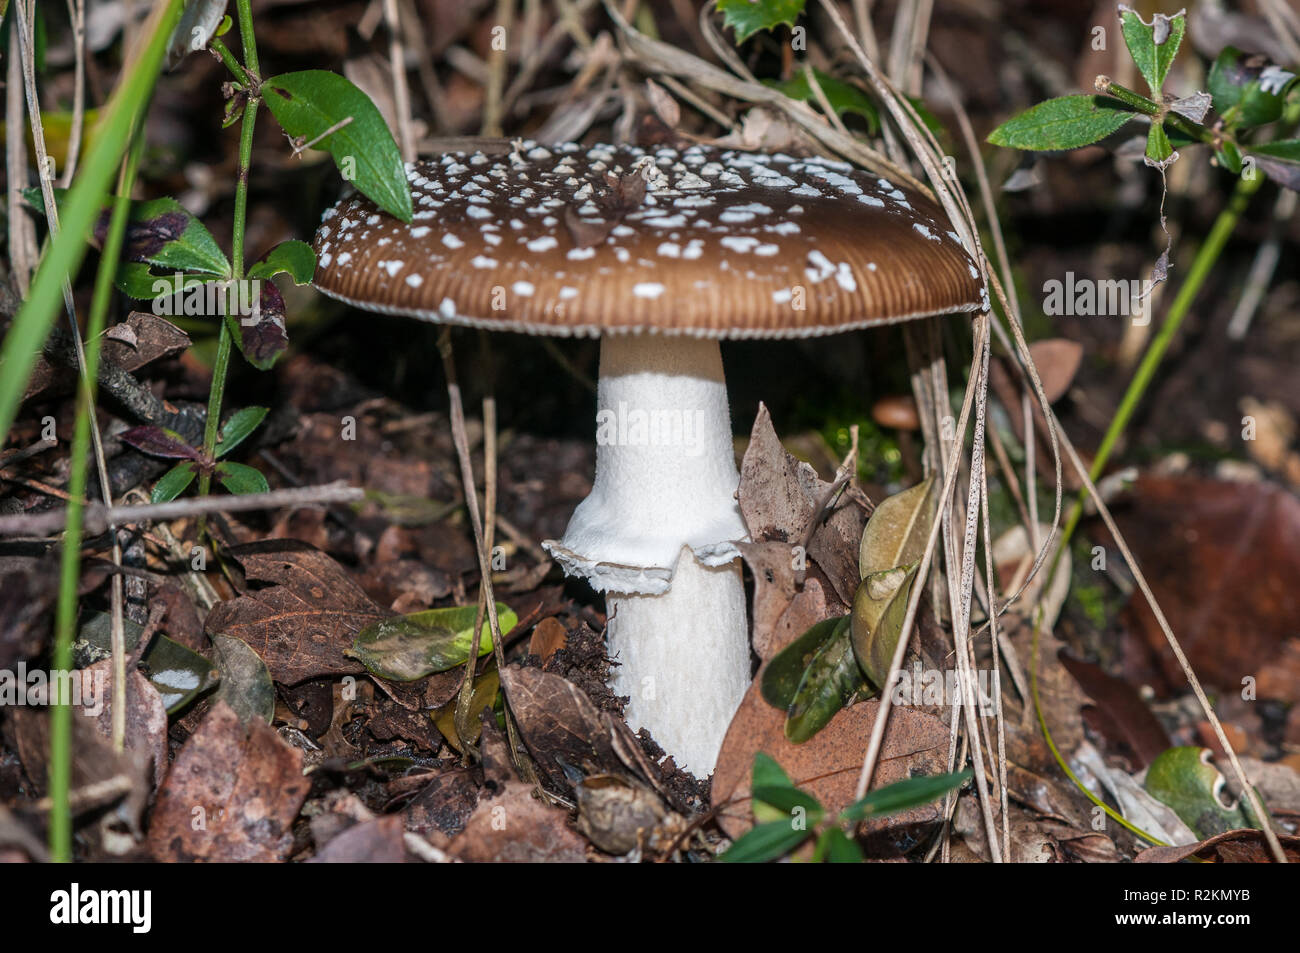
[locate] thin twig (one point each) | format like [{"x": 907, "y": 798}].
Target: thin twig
[
  {"x": 461, "y": 440},
  {"x": 98, "y": 517},
  {"x": 77, "y": 16},
  {"x": 401, "y": 94},
  {"x": 498, "y": 61}
]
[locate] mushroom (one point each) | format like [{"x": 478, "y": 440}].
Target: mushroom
[{"x": 662, "y": 253}]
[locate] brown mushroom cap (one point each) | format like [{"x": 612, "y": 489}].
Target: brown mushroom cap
[
  {"x": 896, "y": 411},
  {"x": 583, "y": 240}
]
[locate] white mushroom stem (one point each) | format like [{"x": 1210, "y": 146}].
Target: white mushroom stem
[
  {"x": 666, "y": 480},
  {"x": 683, "y": 659}
]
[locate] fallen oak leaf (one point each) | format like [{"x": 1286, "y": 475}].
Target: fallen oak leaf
[
  {"x": 827, "y": 765},
  {"x": 559, "y": 724},
  {"x": 780, "y": 495},
  {"x": 139, "y": 340},
  {"x": 517, "y": 828},
  {"x": 1237, "y": 846},
  {"x": 377, "y": 841},
  {"x": 231, "y": 795},
  {"x": 302, "y": 624}
]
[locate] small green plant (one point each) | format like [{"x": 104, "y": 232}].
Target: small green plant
[
  {"x": 1256, "y": 106},
  {"x": 238, "y": 478},
  {"x": 1247, "y": 93},
  {"x": 787, "y": 817},
  {"x": 157, "y": 251}
]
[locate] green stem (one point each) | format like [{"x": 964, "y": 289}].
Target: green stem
[
  {"x": 1159, "y": 113},
  {"x": 1127, "y": 96},
  {"x": 60, "y": 770},
  {"x": 249, "y": 81},
  {"x": 225, "y": 337},
  {"x": 1206, "y": 257}
]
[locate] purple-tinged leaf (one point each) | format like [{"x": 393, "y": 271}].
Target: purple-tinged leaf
[{"x": 158, "y": 442}]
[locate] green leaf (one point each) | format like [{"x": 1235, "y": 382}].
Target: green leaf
[
  {"x": 180, "y": 674},
  {"x": 782, "y": 675},
  {"x": 159, "y": 442},
  {"x": 765, "y": 842},
  {"x": 260, "y": 334},
  {"x": 138, "y": 280},
  {"x": 903, "y": 795},
  {"x": 292, "y": 258},
  {"x": 832, "y": 680},
  {"x": 1066, "y": 122},
  {"x": 836, "y": 847},
  {"x": 1186, "y": 781},
  {"x": 1288, "y": 149},
  {"x": 174, "y": 482},
  {"x": 1153, "y": 59},
  {"x": 1247, "y": 90},
  {"x": 768, "y": 773},
  {"x": 898, "y": 530},
  {"x": 879, "y": 608},
  {"x": 789, "y": 800},
  {"x": 482, "y": 696},
  {"x": 240, "y": 479},
  {"x": 159, "y": 232},
  {"x": 1259, "y": 106},
  {"x": 928, "y": 118},
  {"x": 1158, "y": 147},
  {"x": 843, "y": 97},
  {"x": 238, "y": 427},
  {"x": 200, "y": 19},
  {"x": 1228, "y": 78},
  {"x": 408, "y": 647},
  {"x": 246, "y": 684},
  {"x": 1280, "y": 161},
  {"x": 1229, "y": 157},
  {"x": 747, "y": 17},
  {"x": 307, "y": 104}
]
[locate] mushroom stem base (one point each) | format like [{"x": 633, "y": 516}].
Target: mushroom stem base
[{"x": 683, "y": 659}]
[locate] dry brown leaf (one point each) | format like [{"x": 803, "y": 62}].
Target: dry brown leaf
[
  {"x": 139, "y": 340},
  {"x": 778, "y": 497},
  {"x": 445, "y": 803},
  {"x": 1222, "y": 559},
  {"x": 827, "y": 765},
  {"x": 232, "y": 795},
  {"x": 558, "y": 723},
  {"x": 301, "y": 623},
  {"x": 517, "y": 828},
  {"x": 377, "y": 841},
  {"x": 1057, "y": 361},
  {"x": 146, "y": 715},
  {"x": 548, "y": 637},
  {"x": 1121, "y": 715},
  {"x": 1230, "y": 847}
]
